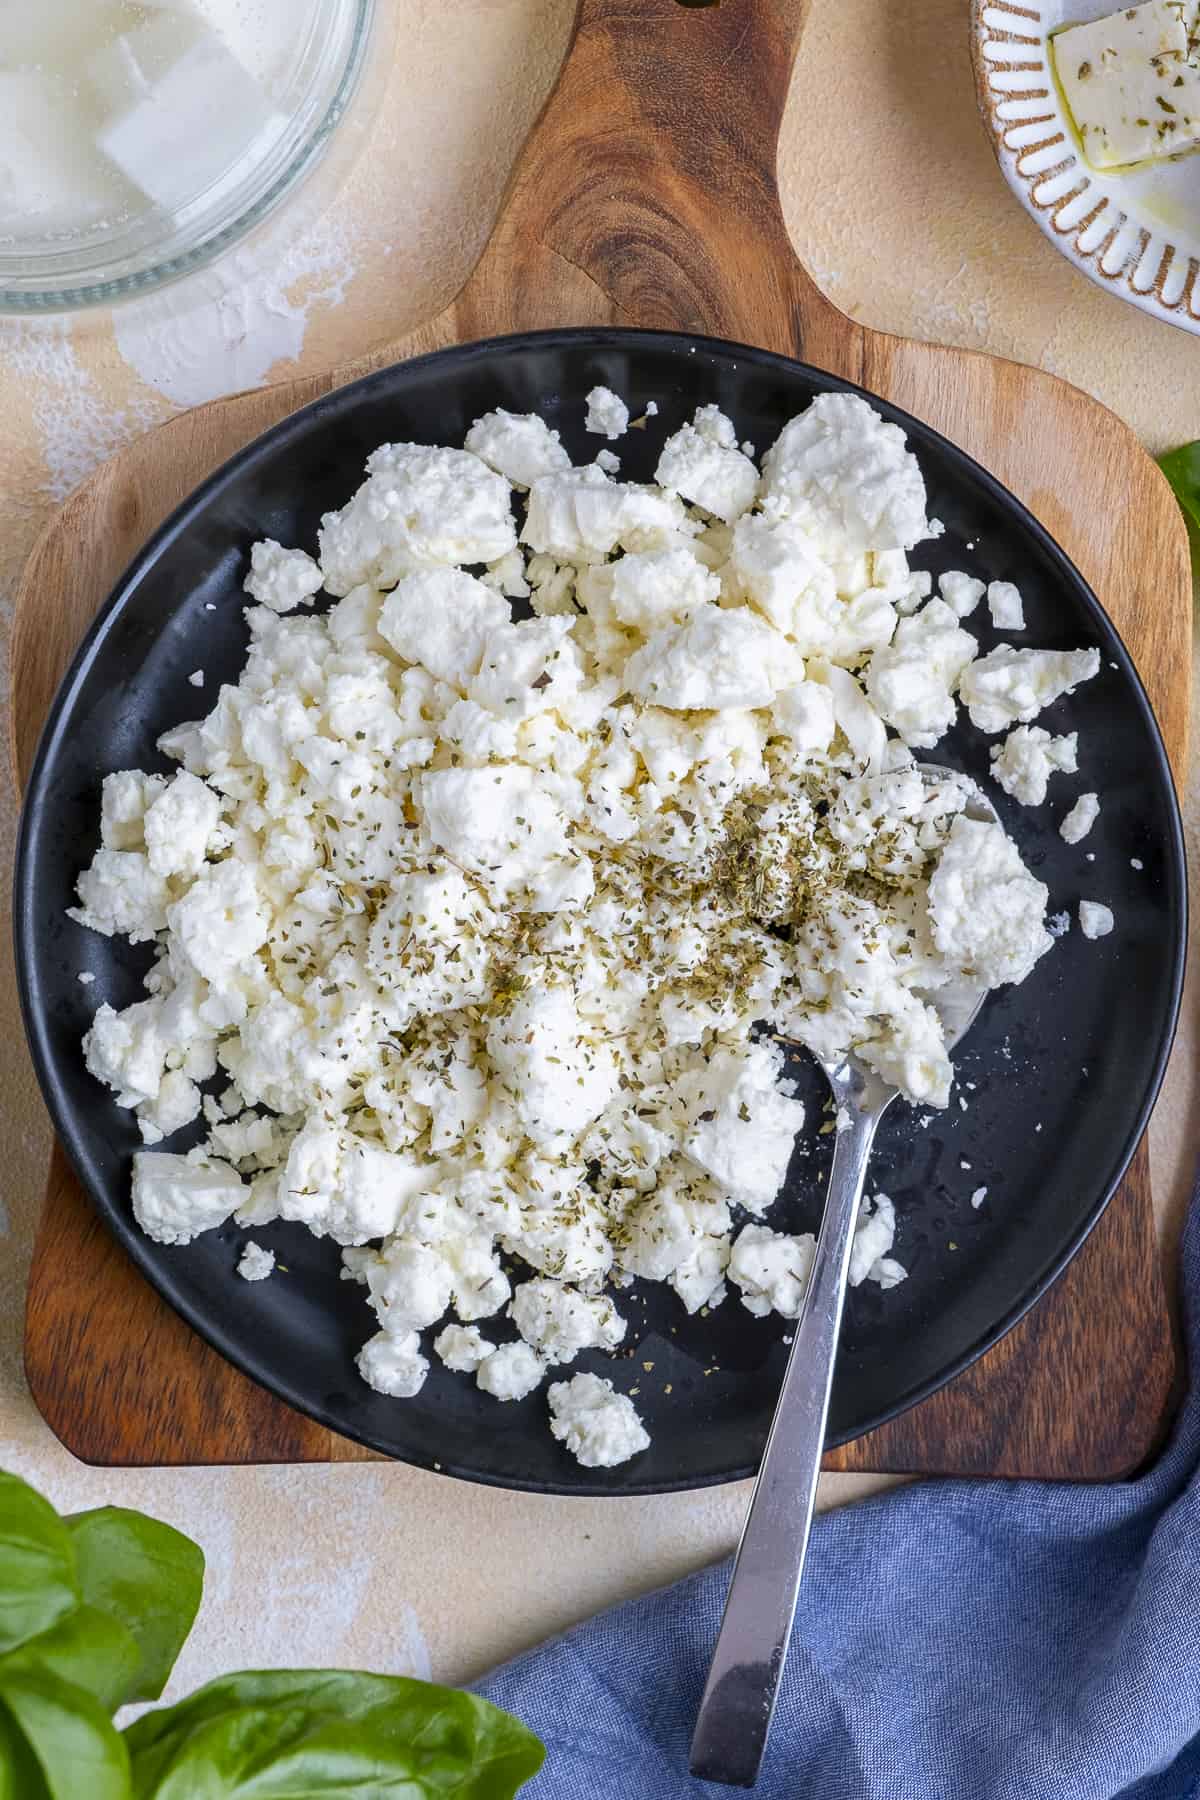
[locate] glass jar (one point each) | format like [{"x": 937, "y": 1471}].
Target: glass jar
[{"x": 140, "y": 138}]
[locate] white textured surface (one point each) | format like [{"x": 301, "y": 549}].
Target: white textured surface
[{"x": 896, "y": 204}]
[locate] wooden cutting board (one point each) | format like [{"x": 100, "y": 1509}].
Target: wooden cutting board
[{"x": 647, "y": 196}]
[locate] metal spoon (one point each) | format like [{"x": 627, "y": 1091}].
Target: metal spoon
[{"x": 739, "y": 1696}]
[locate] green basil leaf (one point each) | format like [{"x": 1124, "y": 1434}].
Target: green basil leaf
[
  {"x": 76, "y": 1744},
  {"x": 38, "y": 1580},
  {"x": 148, "y": 1577},
  {"x": 87, "y": 1648},
  {"x": 289, "y": 1734},
  {"x": 1182, "y": 469},
  {"x": 21, "y": 1777}
]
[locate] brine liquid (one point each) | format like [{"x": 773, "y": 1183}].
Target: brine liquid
[{"x": 110, "y": 109}]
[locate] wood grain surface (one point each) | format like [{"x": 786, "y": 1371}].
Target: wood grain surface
[{"x": 647, "y": 196}]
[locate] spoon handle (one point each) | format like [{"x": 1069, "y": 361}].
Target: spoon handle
[{"x": 739, "y": 1695}]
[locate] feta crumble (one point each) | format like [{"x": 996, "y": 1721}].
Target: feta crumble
[
  {"x": 174, "y": 1199},
  {"x": 1009, "y": 687},
  {"x": 476, "y": 913},
  {"x": 281, "y": 579},
  {"x": 462, "y": 1347},
  {"x": 1079, "y": 821},
  {"x": 1028, "y": 757},
  {"x": 987, "y": 910},
  {"x": 1006, "y": 606},
  {"x": 255, "y": 1263},
  {"x": 600, "y": 1427},
  {"x": 1095, "y": 920},
  {"x": 607, "y": 414},
  {"x": 392, "y": 1364},
  {"x": 961, "y": 592},
  {"x": 510, "y": 1372}
]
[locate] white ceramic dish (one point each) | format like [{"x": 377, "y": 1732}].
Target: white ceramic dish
[{"x": 1136, "y": 234}]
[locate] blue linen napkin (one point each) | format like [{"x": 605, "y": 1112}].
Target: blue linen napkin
[{"x": 954, "y": 1641}]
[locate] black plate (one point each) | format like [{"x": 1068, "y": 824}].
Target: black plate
[{"x": 1055, "y": 1082}]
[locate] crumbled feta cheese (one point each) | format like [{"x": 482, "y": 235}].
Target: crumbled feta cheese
[
  {"x": 529, "y": 666},
  {"x": 393, "y": 1365},
  {"x": 847, "y": 478},
  {"x": 502, "y": 823},
  {"x": 700, "y": 1279},
  {"x": 771, "y": 1269},
  {"x": 712, "y": 474},
  {"x": 607, "y": 414},
  {"x": 559, "y": 1321},
  {"x": 805, "y": 713},
  {"x": 480, "y": 917},
  {"x": 179, "y": 825},
  {"x": 125, "y": 798},
  {"x": 986, "y": 908},
  {"x": 221, "y": 920},
  {"x": 599, "y": 1427},
  {"x": 910, "y": 680},
  {"x": 122, "y": 896},
  {"x": 256, "y": 1263},
  {"x": 1028, "y": 757},
  {"x": 510, "y": 1372},
  {"x": 418, "y": 505},
  {"x": 559, "y": 1077},
  {"x": 462, "y": 1347},
  {"x": 1079, "y": 821},
  {"x": 1009, "y": 686},
  {"x": 856, "y": 718},
  {"x": 978, "y": 1197},
  {"x": 345, "y": 1187},
  {"x": 874, "y": 1235},
  {"x": 745, "y": 1127},
  {"x": 717, "y": 659},
  {"x": 961, "y": 592},
  {"x": 1006, "y": 606},
  {"x": 125, "y": 1050},
  {"x": 580, "y": 516},
  {"x": 654, "y": 588},
  {"x": 196, "y": 678},
  {"x": 410, "y": 1285},
  {"x": 441, "y": 618},
  {"x": 175, "y": 1105},
  {"x": 519, "y": 446},
  {"x": 281, "y": 579},
  {"x": 1095, "y": 920},
  {"x": 175, "y": 1199},
  {"x": 773, "y": 563}
]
